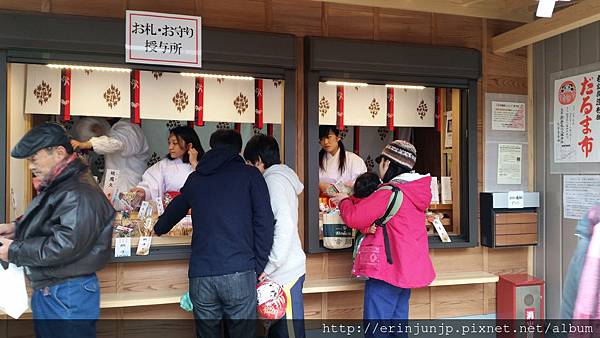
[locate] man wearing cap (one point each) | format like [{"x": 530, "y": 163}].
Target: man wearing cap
[{"x": 63, "y": 238}]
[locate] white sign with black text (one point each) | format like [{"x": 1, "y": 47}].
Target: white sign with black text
[{"x": 516, "y": 200}]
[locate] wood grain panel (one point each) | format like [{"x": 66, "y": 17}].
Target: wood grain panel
[
  {"x": 104, "y": 8},
  {"x": 516, "y": 228},
  {"x": 312, "y": 306},
  {"x": 20, "y": 328},
  {"x": 339, "y": 265},
  {"x": 186, "y": 7},
  {"x": 516, "y": 217},
  {"x": 457, "y": 31},
  {"x": 419, "y": 311},
  {"x": 519, "y": 239},
  {"x": 420, "y": 296},
  {"x": 404, "y": 26},
  {"x": 300, "y": 114},
  {"x": 314, "y": 267},
  {"x": 345, "y": 305},
  {"x": 21, "y": 5},
  {"x": 353, "y": 22},
  {"x": 491, "y": 305},
  {"x": 299, "y": 17},
  {"x": 446, "y": 260},
  {"x": 168, "y": 311},
  {"x": 108, "y": 278},
  {"x": 143, "y": 277},
  {"x": 507, "y": 260},
  {"x": 455, "y": 301},
  {"x": 236, "y": 14},
  {"x": 507, "y": 65},
  {"x": 507, "y": 84}
]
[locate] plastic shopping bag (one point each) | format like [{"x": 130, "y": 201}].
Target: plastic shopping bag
[{"x": 13, "y": 294}]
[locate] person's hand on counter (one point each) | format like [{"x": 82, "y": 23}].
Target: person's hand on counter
[
  {"x": 7, "y": 230},
  {"x": 338, "y": 197},
  {"x": 4, "y": 245}
]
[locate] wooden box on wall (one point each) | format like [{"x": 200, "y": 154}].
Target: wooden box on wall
[{"x": 505, "y": 227}]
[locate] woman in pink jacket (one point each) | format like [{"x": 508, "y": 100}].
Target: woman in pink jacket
[{"x": 387, "y": 291}]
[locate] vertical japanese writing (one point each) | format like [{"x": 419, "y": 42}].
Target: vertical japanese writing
[{"x": 587, "y": 89}]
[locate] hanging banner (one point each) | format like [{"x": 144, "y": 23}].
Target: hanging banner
[
  {"x": 327, "y": 104},
  {"x": 258, "y": 102},
  {"x": 100, "y": 93},
  {"x": 163, "y": 39},
  {"x": 65, "y": 94},
  {"x": 229, "y": 100},
  {"x": 199, "y": 101},
  {"x": 134, "y": 78},
  {"x": 340, "y": 107},
  {"x": 167, "y": 96},
  {"x": 577, "y": 118},
  {"x": 273, "y": 101},
  {"x": 43, "y": 90},
  {"x": 414, "y": 107},
  {"x": 390, "y": 109},
  {"x": 365, "y": 106}
]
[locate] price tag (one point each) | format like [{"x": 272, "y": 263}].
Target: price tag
[
  {"x": 110, "y": 182},
  {"x": 123, "y": 247},
  {"x": 144, "y": 210},
  {"x": 159, "y": 205},
  {"x": 143, "y": 248},
  {"x": 516, "y": 200},
  {"x": 439, "y": 227}
]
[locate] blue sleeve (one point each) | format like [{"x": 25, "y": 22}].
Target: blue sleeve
[{"x": 263, "y": 221}]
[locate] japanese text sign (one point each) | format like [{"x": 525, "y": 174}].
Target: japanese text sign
[
  {"x": 577, "y": 118},
  {"x": 163, "y": 39}
]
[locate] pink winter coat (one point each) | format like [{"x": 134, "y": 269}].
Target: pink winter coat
[{"x": 409, "y": 243}]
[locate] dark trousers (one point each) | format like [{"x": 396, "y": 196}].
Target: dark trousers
[
  {"x": 230, "y": 297},
  {"x": 68, "y": 309},
  {"x": 292, "y": 323},
  {"x": 385, "y": 304}
]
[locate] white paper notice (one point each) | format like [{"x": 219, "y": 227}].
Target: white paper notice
[
  {"x": 143, "y": 248},
  {"x": 510, "y": 159},
  {"x": 123, "y": 247},
  {"x": 516, "y": 200},
  {"x": 439, "y": 227},
  {"x": 110, "y": 182},
  {"x": 435, "y": 191},
  {"x": 159, "y": 205},
  {"x": 508, "y": 116},
  {"x": 446, "y": 190},
  {"x": 580, "y": 193},
  {"x": 448, "y": 129},
  {"x": 144, "y": 208}
]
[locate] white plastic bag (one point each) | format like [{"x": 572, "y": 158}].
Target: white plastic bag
[{"x": 13, "y": 294}]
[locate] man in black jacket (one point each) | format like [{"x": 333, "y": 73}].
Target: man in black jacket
[
  {"x": 233, "y": 234},
  {"x": 63, "y": 238}
]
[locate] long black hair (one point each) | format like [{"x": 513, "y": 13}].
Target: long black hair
[
  {"x": 366, "y": 184},
  {"x": 324, "y": 132},
  {"x": 186, "y": 135},
  {"x": 393, "y": 170}
]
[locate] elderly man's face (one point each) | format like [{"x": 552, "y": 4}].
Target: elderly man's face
[{"x": 42, "y": 162}]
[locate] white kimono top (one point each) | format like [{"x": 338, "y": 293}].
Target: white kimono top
[
  {"x": 355, "y": 166},
  {"x": 166, "y": 175},
  {"x": 124, "y": 149}
]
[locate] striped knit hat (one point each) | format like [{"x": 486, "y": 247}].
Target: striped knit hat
[{"x": 401, "y": 152}]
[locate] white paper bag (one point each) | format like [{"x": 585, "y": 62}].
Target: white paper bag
[{"x": 13, "y": 294}]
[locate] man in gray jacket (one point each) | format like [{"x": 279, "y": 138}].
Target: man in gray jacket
[{"x": 63, "y": 238}]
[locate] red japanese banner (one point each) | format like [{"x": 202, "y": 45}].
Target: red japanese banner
[
  {"x": 356, "y": 141},
  {"x": 270, "y": 129},
  {"x": 65, "y": 94},
  {"x": 135, "y": 97},
  {"x": 258, "y": 85},
  {"x": 340, "y": 107},
  {"x": 390, "y": 109},
  {"x": 237, "y": 127},
  {"x": 438, "y": 110},
  {"x": 199, "y": 101}
]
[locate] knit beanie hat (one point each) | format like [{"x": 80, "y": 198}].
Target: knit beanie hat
[{"x": 401, "y": 152}]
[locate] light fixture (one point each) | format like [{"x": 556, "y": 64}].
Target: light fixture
[
  {"x": 100, "y": 69},
  {"x": 350, "y": 84},
  {"x": 404, "y": 86},
  {"x": 218, "y": 76},
  {"x": 546, "y": 7}
]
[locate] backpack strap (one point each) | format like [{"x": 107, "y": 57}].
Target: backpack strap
[{"x": 392, "y": 208}]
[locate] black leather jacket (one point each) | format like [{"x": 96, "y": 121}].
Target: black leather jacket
[{"x": 66, "y": 231}]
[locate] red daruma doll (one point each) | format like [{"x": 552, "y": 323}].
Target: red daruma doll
[
  {"x": 271, "y": 300},
  {"x": 567, "y": 92}
]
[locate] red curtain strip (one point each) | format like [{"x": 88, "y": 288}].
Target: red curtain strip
[
  {"x": 357, "y": 140},
  {"x": 200, "y": 101},
  {"x": 270, "y": 129},
  {"x": 258, "y": 90},
  {"x": 390, "y": 109},
  {"x": 237, "y": 127},
  {"x": 65, "y": 94},
  {"x": 438, "y": 106},
  {"x": 135, "y": 97},
  {"x": 340, "y": 107}
]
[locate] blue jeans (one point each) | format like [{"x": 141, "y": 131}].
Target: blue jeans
[
  {"x": 385, "y": 304},
  {"x": 231, "y": 297},
  {"x": 68, "y": 309}
]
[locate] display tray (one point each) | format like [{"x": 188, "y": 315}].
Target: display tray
[{"x": 179, "y": 235}]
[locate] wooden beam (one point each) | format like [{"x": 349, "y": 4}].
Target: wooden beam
[
  {"x": 581, "y": 14},
  {"x": 491, "y": 9}
]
